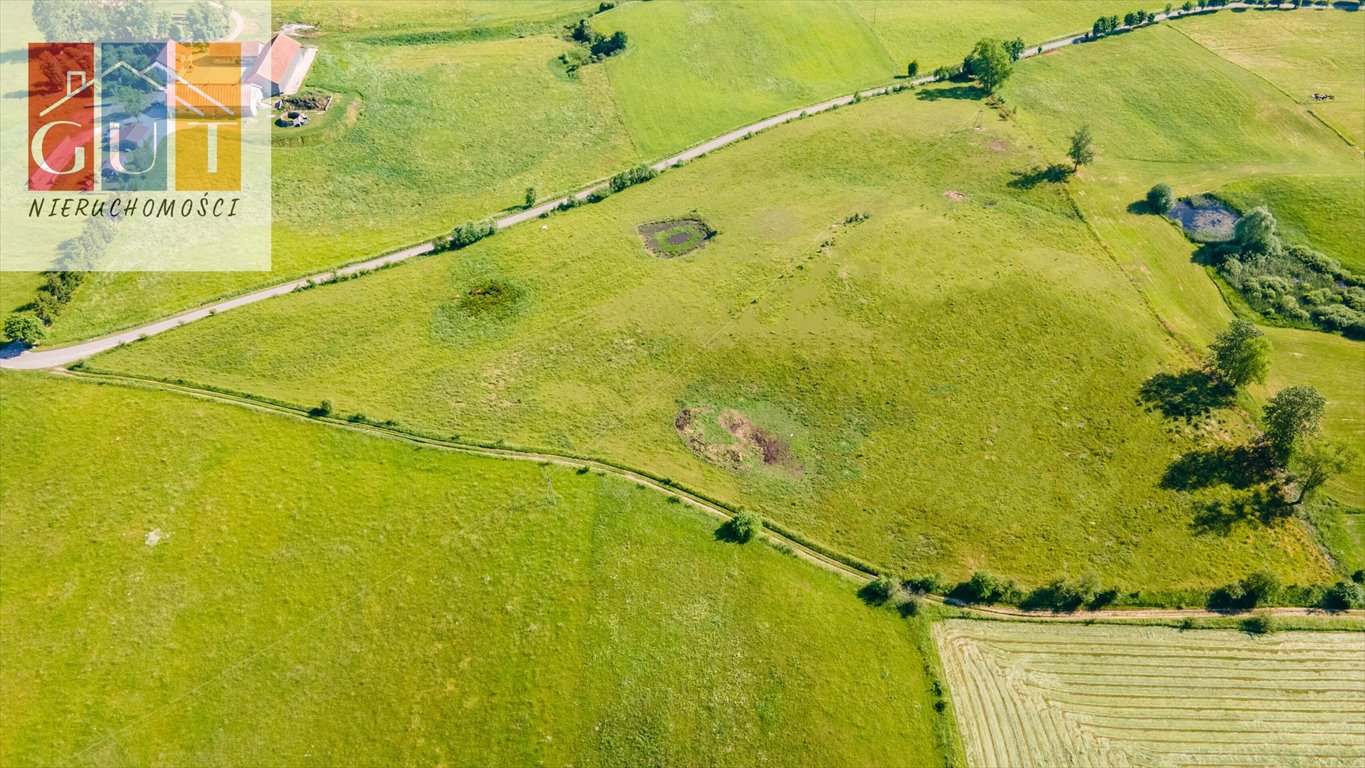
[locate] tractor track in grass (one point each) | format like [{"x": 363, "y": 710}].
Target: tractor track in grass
[
  {"x": 818, "y": 555},
  {"x": 15, "y": 356}
]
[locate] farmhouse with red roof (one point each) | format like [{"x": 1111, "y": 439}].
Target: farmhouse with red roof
[{"x": 281, "y": 67}]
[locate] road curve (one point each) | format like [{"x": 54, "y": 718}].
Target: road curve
[{"x": 16, "y": 356}]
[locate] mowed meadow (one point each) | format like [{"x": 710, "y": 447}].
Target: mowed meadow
[
  {"x": 459, "y": 107},
  {"x": 214, "y": 585},
  {"x": 1039, "y": 694},
  {"x": 1211, "y": 124},
  {"x": 938, "y": 363}
]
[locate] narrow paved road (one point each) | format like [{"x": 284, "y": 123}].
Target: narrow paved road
[{"x": 16, "y": 356}]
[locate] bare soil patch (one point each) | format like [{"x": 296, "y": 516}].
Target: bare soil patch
[
  {"x": 730, "y": 439},
  {"x": 954, "y": 195}
]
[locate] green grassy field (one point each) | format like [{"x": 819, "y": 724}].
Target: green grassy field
[
  {"x": 434, "y": 145},
  {"x": 696, "y": 70},
  {"x": 315, "y": 596},
  {"x": 1301, "y": 53},
  {"x": 908, "y": 30},
  {"x": 418, "y": 16},
  {"x": 456, "y": 128},
  {"x": 1035, "y": 694},
  {"x": 1241, "y": 134},
  {"x": 951, "y": 383},
  {"x": 1322, "y": 212}
]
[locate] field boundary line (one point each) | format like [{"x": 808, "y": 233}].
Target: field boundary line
[
  {"x": 1274, "y": 85},
  {"x": 777, "y": 536},
  {"x": 16, "y": 356},
  {"x": 830, "y": 560}
]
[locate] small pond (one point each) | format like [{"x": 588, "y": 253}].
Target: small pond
[{"x": 1205, "y": 219}]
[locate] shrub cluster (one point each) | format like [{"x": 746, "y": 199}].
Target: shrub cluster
[
  {"x": 28, "y": 324},
  {"x": 637, "y": 175},
  {"x": 594, "y": 45},
  {"x": 1290, "y": 283},
  {"x": 465, "y": 235}
]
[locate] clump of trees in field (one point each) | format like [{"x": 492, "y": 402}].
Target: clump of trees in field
[
  {"x": 637, "y": 175},
  {"x": 465, "y": 235},
  {"x": 1287, "y": 284},
  {"x": 1290, "y": 284},
  {"x": 593, "y": 46},
  {"x": 990, "y": 63}
]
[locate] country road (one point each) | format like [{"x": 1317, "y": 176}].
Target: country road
[
  {"x": 825, "y": 559},
  {"x": 15, "y": 356}
]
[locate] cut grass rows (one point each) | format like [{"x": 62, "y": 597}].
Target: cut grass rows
[{"x": 1103, "y": 713}]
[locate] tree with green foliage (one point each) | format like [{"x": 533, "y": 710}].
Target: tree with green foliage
[
  {"x": 912, "y": 69},
  {"x": 1082, "y": 150},
  {"x": 1293, "y": 415},
  {"x": 1343, "y": 596},
  {"x": 1261, "y": 587},
  {"x": 531, "y": 197},
  {"x": 744, "y": 526},
  {"x": 471, "y": 232},
  {"x": 880, "y": 589},
  {"x": 1015, "y": 48},
  {"x": 1160, "y": 198},
  {"x": 205, "y": 22},
  {"x": 25, "y": 328},
  {"x": 1260, "y": 624},
  {"x": 1256, "y": 233},
  {"x": 945, "y": 73},
  {"x": 1187, "y": 6},
  {"x": 1316, "y": 463},
  {"x": 990, "y": 64},
  {"x": 985, "y": 587},
  {"x": 1240, "y": 355}
]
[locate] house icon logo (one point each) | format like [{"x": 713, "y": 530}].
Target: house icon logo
[{"x": 120, "y": 116}]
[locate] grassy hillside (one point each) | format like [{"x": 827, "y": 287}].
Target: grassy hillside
[
  {"x": 1301, "y": 53},
  {"x": 1242, "y": 133},
  {"x": 696, "y": 70},
  {"x": 435, "y": 144},
  {"x": 938, "y": 32},
  {"x": 214, "y": 585},
  {"x": 1325, "y": 213},
  {"x": 950, "y": 384}
]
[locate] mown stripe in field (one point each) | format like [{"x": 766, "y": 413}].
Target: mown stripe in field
[{"x": 1074, "y": 695}]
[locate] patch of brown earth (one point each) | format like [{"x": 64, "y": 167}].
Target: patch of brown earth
[
  {"x": 954, "y": 195},
  {"x": 750, "y": 441}
]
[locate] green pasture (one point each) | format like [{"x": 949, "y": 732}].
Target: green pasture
[
  {"x": 696, "y": 70},
  {"x": 1321, "y": 212},
  {"x": 1299, "y": 52},
  {"x": 916, "y": 30},
  {"x": 312, "y": 596},
  {"x": 419, "y": 16},
  {"x": 1242, "y": 136},
  {"x": 434, "y": 145},
  {"x": 954, "y": 378}
]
